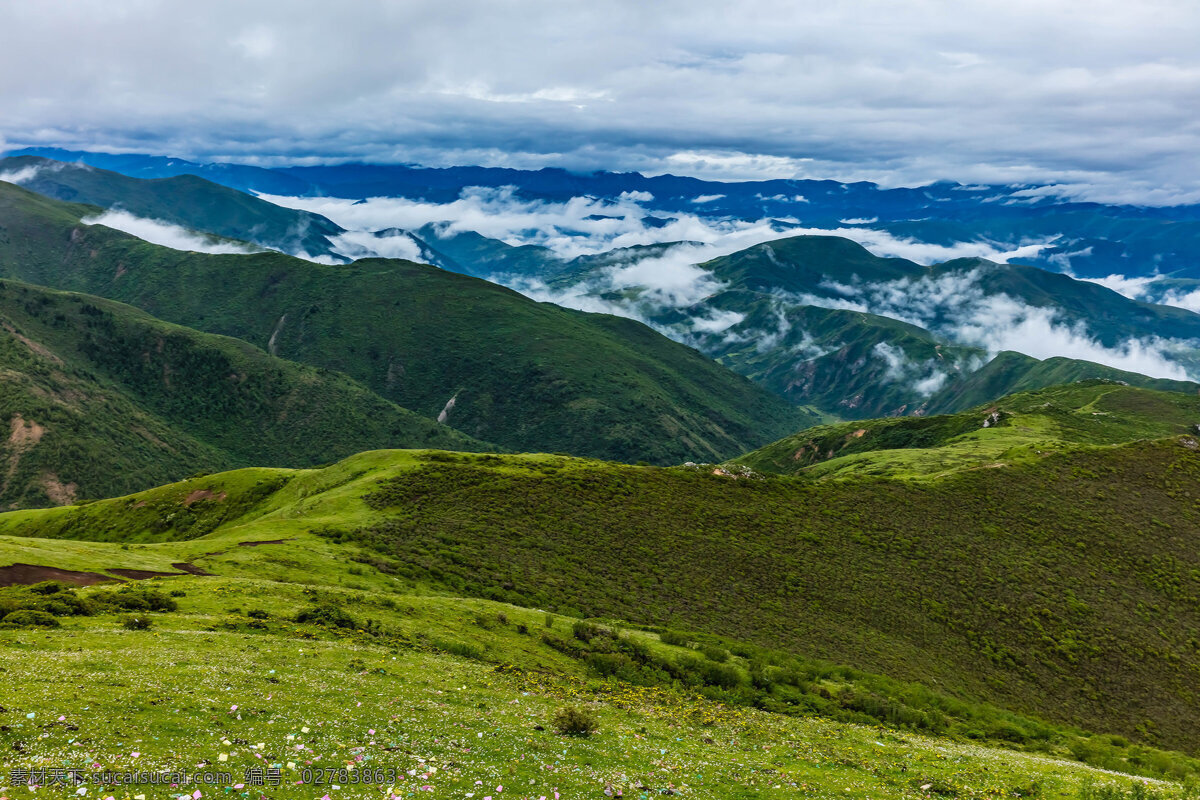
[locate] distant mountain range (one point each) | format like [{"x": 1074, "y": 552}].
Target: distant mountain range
[
  {"x": 484, "y": 359},
  {"x": 818, "y": 320},
  {"x": 1089, "y": 239}
]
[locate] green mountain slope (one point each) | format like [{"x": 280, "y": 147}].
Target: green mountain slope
[
  {"x": 498, "y": 366},
  {"x": 1072, "y": 577},
  {"x": 234, "y": 670},
  {"x": 822, "y": 321},
  {"x": 1013, "y": 429},
  {"x": 183, "y": 200},
  {"x": 99, "y": 399},
  {"x": 1011, "y": 372}
]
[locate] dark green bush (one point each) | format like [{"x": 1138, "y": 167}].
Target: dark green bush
[
  {"x": 137, "y": 622},
  {"x": 572, "y": 721},
  {"x": 673, "y": 638},
  {"x": 328, "y": 615},
  {"x": 28, "y": 618},
  {"x": 130, "y": 598}
]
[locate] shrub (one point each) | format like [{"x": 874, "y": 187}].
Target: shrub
[
  {"x": 714, "y": 653},
  {"x": 673, "y": 638},
  {"x": 137, "y": 622},
  {"x": 328, "y": 615},
  {"x": 258, "y": 613},
  {"x": 27, "y": 618},
  {"x": 572, "y": 721},
  {"x": 136, "y": 599},
  {"x": 586, "y": 631},
  {"x": 48, "y": 587}
]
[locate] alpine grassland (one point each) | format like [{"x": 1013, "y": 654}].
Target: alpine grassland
[{"x": 994, "y": 587}]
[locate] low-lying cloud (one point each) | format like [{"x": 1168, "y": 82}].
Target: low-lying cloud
[
  {"x": 167, "y": 234},
  {"x": 957, "y": 306},
  {"x": 954, "y": 305}
]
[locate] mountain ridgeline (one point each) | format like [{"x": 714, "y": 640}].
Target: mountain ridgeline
[
  {"x": 488, "y": 361},
  {"x": 1071, "y": 572},
  {"x": 101, "y": 399}
]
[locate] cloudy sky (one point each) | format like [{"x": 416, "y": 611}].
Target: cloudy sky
[{"x": 1094, "y": 93}]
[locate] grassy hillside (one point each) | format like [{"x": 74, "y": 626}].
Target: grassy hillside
[
  {"x": 183, "y": 200},
  {"x": 1073, "y": 576},
  {"x": 438, "y": 696},
  {"x": 502, "y": 368},
  {"x": 100, "y": 399},
  {"x": 1016, "y": 428},
  {"x": 1010, "y": 372}
]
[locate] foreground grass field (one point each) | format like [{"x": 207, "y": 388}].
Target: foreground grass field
[{"x": 228, "y": 683}]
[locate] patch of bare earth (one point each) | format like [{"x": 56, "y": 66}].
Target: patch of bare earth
[
  {"x": 203, "y": 494},
  {"x": 28, "y": 574},
  {"x": 61, "y": 494},
  {"x": 22, "y": 438}
]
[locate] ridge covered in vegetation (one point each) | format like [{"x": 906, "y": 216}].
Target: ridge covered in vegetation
[
  {"x": 101, "y": 399},
  {"x": 491, "y": 362},
  {"x": 1073, "y": 575},
  {"x": 1020, "y": 427}
]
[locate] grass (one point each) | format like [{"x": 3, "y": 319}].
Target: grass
[
  {"x": 1018, "y": 428},
  {"x": 215, "y": 689},
  {"x": 1049, "y": 581}
]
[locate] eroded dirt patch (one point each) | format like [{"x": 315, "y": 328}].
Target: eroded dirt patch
[
  {"x": 191, "y": 569},
  {"x": 140, "y": 574},
  {"x": 61, "y": 494},
  {"x": 28, "y": 574},
  {"x": 203, "y": 494},
  {"x": 264, "y": 541}
]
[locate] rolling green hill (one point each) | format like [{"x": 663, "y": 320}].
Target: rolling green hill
[
  {"x": 1017, "y": 428},
  {"x": 1009, "y": 372},
  {"x": 99, "y": 399},
  {"x": 330, "y": 670},
  {"x": 1072, "y": 576},
  {"x": 184, "y": 200},
  {"x": 494, "y": 364}
]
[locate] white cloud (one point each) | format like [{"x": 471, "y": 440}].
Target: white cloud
[
  {"x": 995, "y": 91},
  {"x": 706, "y": 198},
  {"x": 1133, "y": 288},
  {"x": 19, "y": 176},
  {"x": 1189, "y": 300},
  {"x": 957, "y": 306},
  {"x": 166, "y": 234}
]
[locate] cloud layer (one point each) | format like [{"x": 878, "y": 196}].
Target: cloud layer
[
  {"x": 166, "y": 234},
  {"x": 1097, "y": 101}
]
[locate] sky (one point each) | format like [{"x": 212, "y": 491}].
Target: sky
[{"x": 1101, "y": 96}]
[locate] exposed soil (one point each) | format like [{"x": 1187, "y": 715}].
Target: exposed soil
[
  {"x": 203, "y": 494},
  {"x": 140, "y": 574},
  {"x": 190, "y": 568},
  {"x": 265, "y": 541},
  {"x": 61, "y": 494},
  {"x": 28, "y": 574}
]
